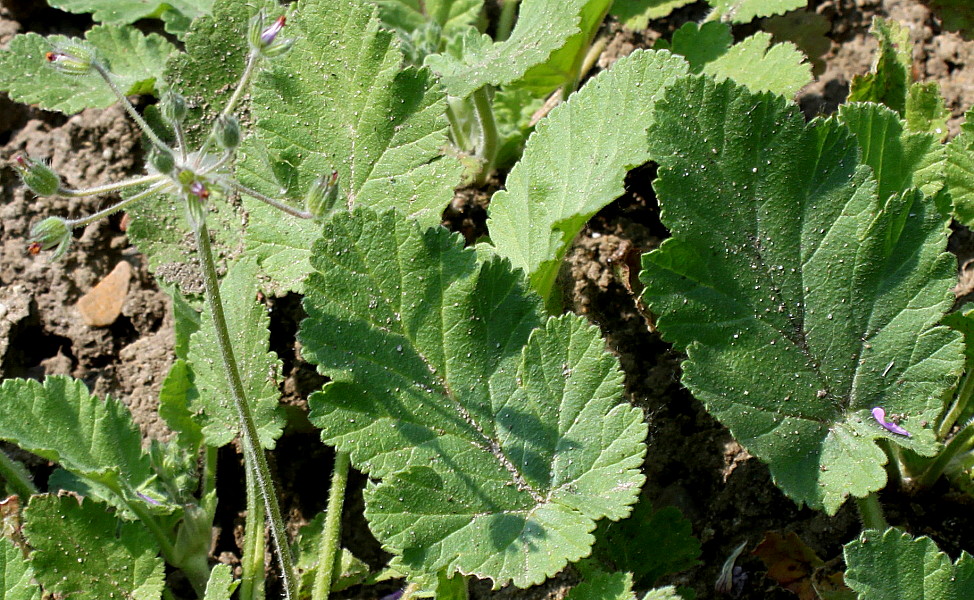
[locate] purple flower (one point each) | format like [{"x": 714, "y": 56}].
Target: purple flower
[
  {"x": 879, "y": 414},
  {"x": 268, "y": 36}
]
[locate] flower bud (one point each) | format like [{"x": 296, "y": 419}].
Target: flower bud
[
  {"x": 173, "y": 107},
  {"x": 320, "y": 199},
  {"x": 265, "y": 39},
  {"x": 162, "y": 159},
  {"x": 74, "y": 59},
  {"x": 227, "y": 132},
  {"x": 52, "y": 232},
  {"x": 38, "y": 177}
]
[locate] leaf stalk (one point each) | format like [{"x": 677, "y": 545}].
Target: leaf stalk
[
  {"x": 487, "y": 152},
  {"x": 871, "y": 512},
  {"x": 127, "y": 105},
  {"x": 329, "y": 551},
  {"x": 960, "y": 443}
]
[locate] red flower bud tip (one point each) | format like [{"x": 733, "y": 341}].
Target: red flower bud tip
[
  {"x": 51, "y": 56},
  {"x": 270, "y": 34},
  {"x": 34, "y": 248},
  {"x": 199, "y": 190},
  {"x": 21, "y": 161}
]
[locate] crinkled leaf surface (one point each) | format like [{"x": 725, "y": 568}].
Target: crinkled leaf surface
[
  {"x": 891, "y": 565},
  {"x": 130, "y": 11},
  {"x": 136, "y": 59},
  {"x": 755, "y": 63},
  {"x": 499, "y": 437},
  {"x": 801, "y": 298},
  {"x": 339, "y": 100},
  {"x": 90, "y": 437},
  {"x": 889, "y": 77},
  {"x": 409, "y": 15},
  {"x": 926, "y": 111},
  {"x": 542, "y": 27},
  {"x": 960, "y": 171},
  {"x": 900, "y": 159},
  {"x": 745, "y": 11},
  {"x": 575, "y": 162},
  {"x": 83, "y": 551},
  {"x": 16, "y": 574},
  {"x": 247, "y": 322}
]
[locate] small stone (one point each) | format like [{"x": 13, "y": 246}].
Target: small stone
[{"x": 103, "y": 303}]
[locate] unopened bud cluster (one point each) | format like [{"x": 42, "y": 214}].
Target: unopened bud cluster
[
  {"x": 38, "y": 177},
  {"x": 73, "y": 59},
  {"x": 52, "y": 233}
]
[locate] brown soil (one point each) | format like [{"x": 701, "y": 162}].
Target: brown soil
[{"x": 693, "y": 462}]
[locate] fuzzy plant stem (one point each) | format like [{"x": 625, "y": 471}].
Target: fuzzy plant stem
[
  {"x": 460, "y": 139},
  {"x": 301, "y": 214},
  {"x": 252, "y": 581},
  {"x": 505, "y": 24},
  {"x": 129, "y": 108},
  {"x": 253, "y": 453},
  {"x": 253, "y": 59},
  {"x": 488, "y": 133},
  {"x": 963, "y": 398},
  {"x": 109, "y": 188},
  {"x": 331, "y": 536},
  {"x": 961, "y": 442},
  {"x": 82, "y": 222},
  {"x": 16, "y": 477},
  {"x": 871, "y": 513}
]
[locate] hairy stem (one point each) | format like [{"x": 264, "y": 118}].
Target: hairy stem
[
  {"x": 488, "y": 134},
  {"x": 962, "y": 442},
  {"x": 108, "y": 188},
  {"x": 129, "y": 108},
  {"x": 964, "y": 392},
  {"x": 266, "y": 199},
  {"x": 871, "y": 513},
  {"x": 253, "y": 453},
  {"x": 505, "y": 24},
  {"x": 330, "y": 548},
  {"x": 73, "y": 223},
  {"x": 16, "y": 477},
  {"x": 252, "y": 563}
]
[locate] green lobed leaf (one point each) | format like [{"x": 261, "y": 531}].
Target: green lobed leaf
[
  {"x": 177, "y": 395},
  {"x": 890, "y": 565},
  {"x": 136, "y": 60},
  {"x": 745, "y": 11},
  {"x": 339, "y": 100},
  {"x": 82, "y": 551},
  {"x": 563, "y": 66},
  {"x": 542, "y": 27},
  {"x": 95, "y": 439},
  {"x": 807, "y": 303},
  {"x": 129, "y": 11},
  {"x": 575, "y": 162},
  {"x": 960, "y": 171},
  {"x": 247, "y": 322},
  {"x": 900, "y": 159},
  {"x": 636, "y": 14},
  {"x": 410, "y": 15},
  {"x": 603, "y": 586},
  {"x": 16, "y": 574},
  {"x": 499, "y": 438},
  {"x": 755, "y": 63},
  {"x": 668, "y": 592},
  {"x": 888, "y": 79},
  {"x": 699, "y": 44},
  {"x": 809, "y": 31},
  {"x": 221, "y": 584}
]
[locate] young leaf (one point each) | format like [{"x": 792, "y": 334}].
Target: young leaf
[
  {"x": 119, "y": 12},
  {"x": 563, "y": 65},
  {"x": 221, "y": 584},
  {"x": 889, "y": 77},
  {"x": 542, "y": 27},
  {"x": 926, "y": 111},
  {"x": 960, "y": 171},
  {"x": 60, "y": 421},
  {"x": 175, "y": 398},
  {"x": 636, "y": 14},
  {"x": 82, "y": 551},
  {"x": 575, "y": 162},
  {"x": 754, "y": 62},
  {"x": 259, "y": 368},
  {"x": 410, "y": 15},
  {"x": 339, "y": 101},
  {"x": 745, "y": 11},
  {"x": 900, "y": 159},
  {"x": 136, "y": 60},
  {"x": 807, "y": 304},
  {"x": 16, "y": 574},
  {"x": 603, "y": 586},
  {"x": 891, "y": 565},
  {"x": 499, "y": 438}
]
